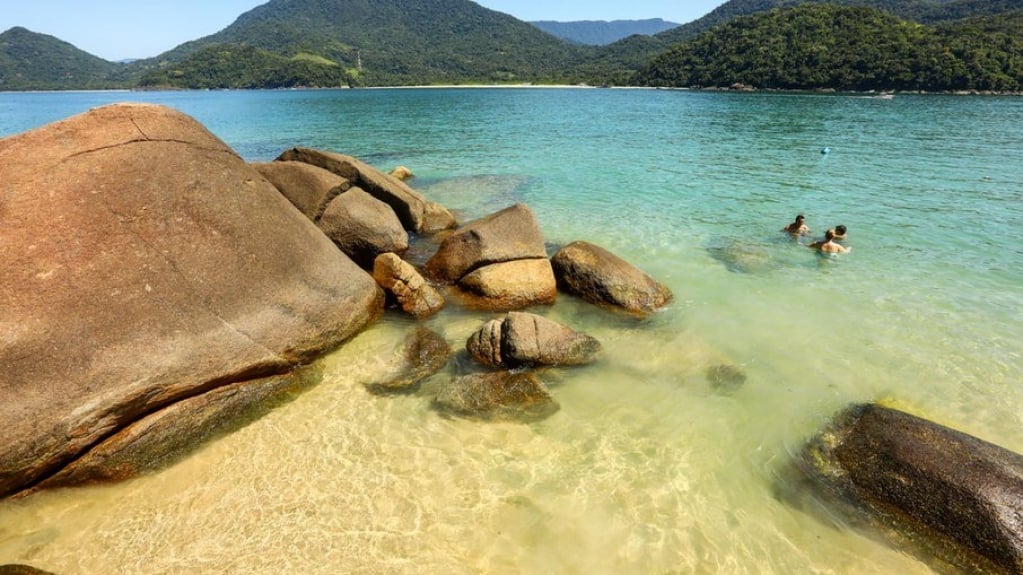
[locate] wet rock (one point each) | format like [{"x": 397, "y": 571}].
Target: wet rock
[
  {"x": 307, "y": 187},
  {"x": 600, "y": 277},
  {"x": 145, "y": 263},
  {"x": 408, "y": 204},
  {"x": 497, "y": 396},
  {"x": 416, "y": 297},
  {"x": 726, "y": 377},
  {"x": 528, "y": 340},
  {"x": 947, "y": 493},
  {"x": 510, "y": 234},
  {"x": 437, "y": 218},
  {"x": 363, "y": 227},
  {"x": 512, "y": 285},
  {"x": 425, "y": 353}
]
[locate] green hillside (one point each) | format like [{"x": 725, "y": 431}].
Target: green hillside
[
  {"x": 387, "y": 42},
  {"x": 923, "y": 11},
  {"x": 32, "y": 61},
  {"x": 828, "y": 46},
  {"x": 952, "y": 44}
]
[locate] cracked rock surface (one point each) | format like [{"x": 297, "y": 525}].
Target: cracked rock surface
[
  {"x": 146, "y": 263},
  {"x": 528, "y": 340}
]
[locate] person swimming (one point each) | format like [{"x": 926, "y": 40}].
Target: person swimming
[
  {"x": 839, "y": 232},
  {"x": 828, "y": 244},
  {"x": 798, "y": 227}
]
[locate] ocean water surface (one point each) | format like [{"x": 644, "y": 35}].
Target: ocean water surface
[{"x": 648, "y": 467}]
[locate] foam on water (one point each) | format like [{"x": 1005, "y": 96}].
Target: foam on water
[{"x": 648, "y": 466}]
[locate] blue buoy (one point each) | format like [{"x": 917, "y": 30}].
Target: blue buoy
[{"x": 825, "y": 151}]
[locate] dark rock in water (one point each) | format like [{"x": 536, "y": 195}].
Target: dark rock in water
[
  {"x": 426, "y": 353},
  {"x": 950, "y": 495},
  {"x": 600, "y": 277},
  {"x": 400, "y": 278},
  {"x": 726, "y": 377},
  {"x": 145, "y": 263},
  {"x": 408, "y": 204},
  {"x": 363, "y": 227},
  {"x": 510, "y": 234},
  {"x": 166, "y": 436},
  {"x": 743, "y": 257},
  {"x": 528, "y": 340},
  {"x": 497, "y": 396},
  {"x": 21, "y": 570}
]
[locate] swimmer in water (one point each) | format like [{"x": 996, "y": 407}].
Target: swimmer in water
[
  {"x": 828, "y": 245},
  {"x": 839, "y": 233},
  {"x": 798, "y": 227}
]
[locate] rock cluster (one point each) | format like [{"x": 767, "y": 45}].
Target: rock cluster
[{"x": 183, "y": 290}]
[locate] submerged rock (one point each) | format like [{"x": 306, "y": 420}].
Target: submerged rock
[
  {"x": 425, "y": 353},
  {"x": 528, "y": 340},
  {"x": 146, "y": 263},
  {"x": 726, "y": 377},
  {"x": 945, "y": 492},
  {"x": 743, "y": 257},
  {"x": 497, "y": 396},
  {"x": 600, "y": 277}
]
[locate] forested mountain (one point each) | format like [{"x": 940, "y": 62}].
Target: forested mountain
[
  {"x": 390, "y": 42},
  {"x": 602, "y": 32},
  {"x": 923, "y": 11},
  {"x": 951, "y": 44},
  {"x": 829, "y": 46},
  {"x": 32, "y": 61}
]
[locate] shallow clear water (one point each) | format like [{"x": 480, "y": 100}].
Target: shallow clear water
[{"x": 647, "y": 467}]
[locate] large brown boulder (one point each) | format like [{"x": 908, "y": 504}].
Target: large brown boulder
[
  {"x": 407, "y": 203},
  {"x": 598, "y": 276},
  {"x": 145, "y": 263},
  {"x": 308, "y": 187},
  {"x": 510, "y": 234},
  {"x": 363, "y": 227},
  {"x": 951, "y": 495},
  {"x": 528, "y": 340}
]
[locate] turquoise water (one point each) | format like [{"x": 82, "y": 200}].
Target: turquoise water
[{"x": 647, "y": 468}]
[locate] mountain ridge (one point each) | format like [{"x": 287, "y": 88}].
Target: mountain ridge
[{"x": 602, "y": 32}]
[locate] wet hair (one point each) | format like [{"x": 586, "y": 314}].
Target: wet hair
[
  {"x": 829, "y": 235},
  {"x": 840, "y": 230},
  {"x": 800, "y": 218}
]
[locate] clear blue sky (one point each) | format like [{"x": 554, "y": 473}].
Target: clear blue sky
[{"x": 119, "y": 29}]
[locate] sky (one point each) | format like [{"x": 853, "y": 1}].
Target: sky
[{"x": 121, "y": 29}]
